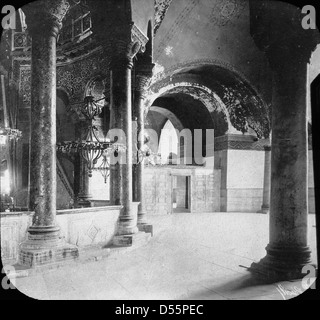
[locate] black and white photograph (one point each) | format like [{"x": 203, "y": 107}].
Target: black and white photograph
[{"x": 159, "y": 150}]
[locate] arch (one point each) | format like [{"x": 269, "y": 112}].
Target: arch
[
  {"x": 170, "y": 116},
  {"x": 191, "y": 64},
  {"x": 209, "y": 99},
  {"x": 167, "y": 148},
  {"x": 220, "y": 85}
]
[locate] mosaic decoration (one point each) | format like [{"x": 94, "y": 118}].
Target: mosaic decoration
[
  {"x": 240, "y": 104},
  {"x": 25, "y": 85},
  {"x": 161, "y": 8},
  {"x": 224, "y": 11},
  {"x": 74, "y": 77},
  {"x": 241, "y": 145}
]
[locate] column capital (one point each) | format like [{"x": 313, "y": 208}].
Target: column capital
[
  {"x": 123, "y": 43},
  {"x": 45, "y": 16},
  {"x": 276, "y": 29},
  {"x": 267, "y": 148},
  {"x": 143, "y": 74}
]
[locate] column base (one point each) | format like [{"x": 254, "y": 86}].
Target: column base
[
  {"x": 44, "y": 247},
  {"x": 282, "y": 263},
  {"x": 125, "y": 230},
  {"x": 264, "y": 210},
  {"x": 145, "y": 227},
  {"x": 83, "y": 203},
  {"x": 139, "y": 238}
]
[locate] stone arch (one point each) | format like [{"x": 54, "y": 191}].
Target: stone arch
[
  {"x": 225, "y": 88},
  {"x": 199, "y": 92},
  {"x": 211, "y": 102},
  {"x": 169, "y": 115},
  {"x": 191, "y": 64}
]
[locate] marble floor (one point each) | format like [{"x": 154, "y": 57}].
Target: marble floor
[{"x": 191, "y": 256}]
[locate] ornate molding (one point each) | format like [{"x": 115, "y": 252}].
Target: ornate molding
[
  {"x": 240, "y": 142},
  {"x": 138, "y": 36}
]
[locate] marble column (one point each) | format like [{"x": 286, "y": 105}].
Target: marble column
[
  {"x": 76, "y": 178},
  {"x": 44, "y": 20},
  {"x": 266, "y": 181},
  {"x": 121, "y": 113},
  {"x": 288, "y": 48},
  {"x": 143, "y": 75},
  {"x": 288, "y": 251},
  {"x": 84, "y": 195}
]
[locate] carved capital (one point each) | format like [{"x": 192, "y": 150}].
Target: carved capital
[
  {"x": 143, "y": 79},
  {"x": 122, "y": 44},
  {"x": 276, "y": 28},
  {"x": 45, "y": 16}
]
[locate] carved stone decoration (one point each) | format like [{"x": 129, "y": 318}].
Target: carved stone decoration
[
  {"x": 161, "y": 7},
  {"x": 25, "y": 86},
  {"x": 122, "y": 47}
]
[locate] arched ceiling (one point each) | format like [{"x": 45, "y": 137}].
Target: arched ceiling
[{"x": 222, "y": 90}]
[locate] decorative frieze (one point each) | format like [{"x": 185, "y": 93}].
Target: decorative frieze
[{"x": 240, "y": 142}]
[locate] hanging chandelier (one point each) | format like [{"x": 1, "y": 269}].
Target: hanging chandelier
[
  {"x": 91, "y": 149},
  {"x": 104, "y": 168},
  {"x": 91, "y": 108},
  {"x": 12, "y": 134}
]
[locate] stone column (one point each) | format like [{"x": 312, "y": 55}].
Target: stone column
[
  {"x": 143, "y": 75},
  {"x": 84, "y": 195},
  {"x": 85, "y": 192},
  {"x": 288, "y": 48},
  {"x": 288, "y": 250},
  {"x": 121, "y": 113},
  {"x": 121, "y": 40},
  {"x": 266, "y": 180},
  {"x": 76, "y": 178},
  {"x": 44, "y": 20}
]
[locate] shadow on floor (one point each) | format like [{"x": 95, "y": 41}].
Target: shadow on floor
[{"x": 250, "y": 285}]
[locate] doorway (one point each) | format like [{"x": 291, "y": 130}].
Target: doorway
[{"x": 181, "y": 195}]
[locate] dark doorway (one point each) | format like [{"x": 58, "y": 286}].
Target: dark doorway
[{"x": 181, "y": 197}]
